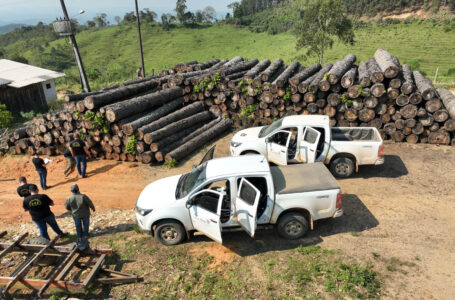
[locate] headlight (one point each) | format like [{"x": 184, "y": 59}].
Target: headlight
[
  {"x": 235, "y": 144},
  {"x": 142, "y": 211}
]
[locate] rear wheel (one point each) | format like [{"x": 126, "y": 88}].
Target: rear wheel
[
  {"x": 169, "y": 233},
  {"x": 292, "y": 226},
  {"x": 342, "y": 167}
]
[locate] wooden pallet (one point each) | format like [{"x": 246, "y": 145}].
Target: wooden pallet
[{"x": 56, "y": 281}]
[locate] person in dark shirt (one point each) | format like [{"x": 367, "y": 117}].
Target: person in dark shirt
[
  {"x": 80, "y": 152},
  {"x": 22, "y": 190},
  {"x": 71, "y": 163},
  {"x": 38, "y": 205},
  {"x": 40, "y": 167}
]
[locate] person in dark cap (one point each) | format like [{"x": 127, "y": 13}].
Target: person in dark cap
[
  {"x": 23, "y": 189},
  {"x": 40, "y": 168},
  {"x": 38, "y": 205},
  {"x": 80, "y": 152},
  {"x": 79, "y": 205}
]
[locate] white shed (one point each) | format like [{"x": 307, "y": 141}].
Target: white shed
[{"x": 24, "y": 87}]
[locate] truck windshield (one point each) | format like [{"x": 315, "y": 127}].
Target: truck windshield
[
  {"x": 189, "y": 181},
  {"x": 266, "y": 130}
]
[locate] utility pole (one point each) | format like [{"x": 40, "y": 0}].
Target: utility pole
[
  {"x": 141, "y": 54},
  {"x": 80, "y": 66}
]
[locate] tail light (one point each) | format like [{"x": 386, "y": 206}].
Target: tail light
[
  {"x": 339, "y": 196},
  {"x": 381, "y": 151}
]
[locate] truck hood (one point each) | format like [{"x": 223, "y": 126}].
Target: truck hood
[
  {"x": 248, "y": 134},
  {"x": 160, "y": 193}
]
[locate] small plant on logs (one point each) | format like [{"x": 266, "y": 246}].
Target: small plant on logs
[
  {"x": 100, "y": 123},
  {"x": 170, "y": 164},
  {"x": 248, "y": 110},
  {"x": 82, "y": 135},
  {"x": 345, "y": 100},
  {"x": 131, "y": 145},
  {"x": 288, "y": 94}
]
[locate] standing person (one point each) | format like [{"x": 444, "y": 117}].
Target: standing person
[
  {"x": 40, "y": 167},
  {"x": 79, "y": 205},
  {"x": 71, "y": 163},
  {"x": 80, "y": 152},
  {"x": 38, "y": 207},
  {"x": 23, "y": 189}
]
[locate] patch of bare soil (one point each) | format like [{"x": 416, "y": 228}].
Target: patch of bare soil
[{"x": 219, "y": 253}]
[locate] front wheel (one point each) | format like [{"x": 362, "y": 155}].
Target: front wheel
[
  {"x": 169, "y": 233},
  {"x": 342, "y": 167},
  {"x": 292, "y": 226}
]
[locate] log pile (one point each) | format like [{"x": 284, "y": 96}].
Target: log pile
[{"x": 166, "y": 117}]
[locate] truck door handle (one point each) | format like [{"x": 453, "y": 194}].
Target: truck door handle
[
  {"x": 282, "y": 151},
  {"x": 250, "y": 215},
  {"x": 213, "y": 221},
  {"x": 311, "y": 150}
]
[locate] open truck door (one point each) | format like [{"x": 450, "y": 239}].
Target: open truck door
[
  {"x": 246, "y": 206},
  {"x": 208, "y": 155},
  {"x": 277, "y": 147},
  {"x": 205, "y": 211},
  {"x": 309, "y": 145}
]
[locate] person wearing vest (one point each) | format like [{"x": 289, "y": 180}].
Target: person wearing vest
[
  {"x": 79, "y": 205},
  {"x": 80, "y": 152}
]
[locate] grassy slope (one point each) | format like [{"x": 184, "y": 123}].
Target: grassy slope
[{"x": 116, "y": 47}]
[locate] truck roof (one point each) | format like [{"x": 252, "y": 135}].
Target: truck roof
[
  {"x": 302, "y": 178},
  {"x": 233, "y": 165},
  {"x": 314, "y": 120}
]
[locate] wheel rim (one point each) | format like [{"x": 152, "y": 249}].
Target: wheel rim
[
  {"x": 168, "y": 233},
  {"x": 342, "y": 168},
  {"x": 293, "y": 228}
]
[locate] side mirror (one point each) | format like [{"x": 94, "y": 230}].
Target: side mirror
[
  {"x": 267, "y": 140},
  {"x": 189, "y": 203}
]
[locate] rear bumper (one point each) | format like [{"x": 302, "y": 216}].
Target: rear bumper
[
  {"x": 338, "y": 213},
  {"x": 379, "y": 161}
]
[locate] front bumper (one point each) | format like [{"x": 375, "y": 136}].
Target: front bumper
[
  {"x": 379, "y": 161},
  {"x": 233, "y": 151},
  {"x": 338, "y": 213},
  {"x": 140, "y": 224}
]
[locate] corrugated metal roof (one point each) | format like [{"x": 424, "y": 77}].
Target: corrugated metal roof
[
  {"x": 4, "y": 81},
  {"x": 21, "y": 75}
]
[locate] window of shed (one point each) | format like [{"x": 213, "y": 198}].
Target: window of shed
[{"x": 48, "y": 86}]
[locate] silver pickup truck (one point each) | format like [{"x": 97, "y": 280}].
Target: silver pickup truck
[
  {"x": 238, "y": 192},
  {"x": 308, "y": 139}
]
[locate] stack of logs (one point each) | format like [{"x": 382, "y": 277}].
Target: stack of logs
[{"x": 168, "y": 116}]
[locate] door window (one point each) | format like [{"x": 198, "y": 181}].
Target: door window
[
  {"x": 292, "y": 148},
  {"x": 208, "y": 201},
  {"x": 224, "y": 187},
  {"x": 280, "y": 138},
  {"x": 261, "y": 184},
  {"x": 310, "y": 136}
]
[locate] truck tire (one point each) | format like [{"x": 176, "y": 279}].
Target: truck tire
[
  {"x": 292, "y": 226},
  {"x": 169, "y": 233},
  {"x": 342, "y": 167}
]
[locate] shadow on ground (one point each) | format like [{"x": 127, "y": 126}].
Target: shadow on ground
[
  {"x": 357, "y": 217},
  {"x": 393, "y": 167}
]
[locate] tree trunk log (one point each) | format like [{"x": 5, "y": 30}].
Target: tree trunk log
[
  {"x": 424, "y": 86},
  {"x": 254, "y": 72},
  {"x": 377, "y": 89},
  {"x": 281, "y": 80},
  {"x": 440, "y": 137},
  {"x": 305, "y": 74},
  {"x": 267, "y": 74},
  {"x": 340, "y": 68},
  {"x": 376, "y": 75},
  {"x": 314, "y": 85},
  {"x": 364, "y": 74},
  {"x": 433, "y": 105},
  {"x": 199, "y": 141},
  {"x": 136, "y": 105},
  {"x": 449, "y": 101},
  {"x": 348, "y": 79},
  {"x": 386, "y": 63}
]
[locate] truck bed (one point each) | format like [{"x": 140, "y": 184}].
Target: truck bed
[
  {"x": 301, "y": 178},
  {"x": 343, "y": 134}
]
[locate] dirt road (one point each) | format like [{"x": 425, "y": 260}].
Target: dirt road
[{"x": 403, "y": 209}]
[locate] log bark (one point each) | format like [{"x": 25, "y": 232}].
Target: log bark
[
  {"x": 348, "y": 79},
  {"x": 253, "y": 72},
  {"x": 283, "y": 78},
  {"x": 177, "y": 126},
  {"x": 136, "y": 105},
  {"x": 199, "y": 141},
  {"x": 364, "y": 74},
  {"x": 80, "y": 96},
  {"x": 424, "y": 86},
  {"x": 386, "y": 63},
  {"x": 304, "y": 74},
  {"x": 246, "y": 65},
  {"x": 161, "y": 153},
  {"x": 178, "y": 115},
  {"x": 375, "y": 72},
  {"x": 314, "y": 85},
  {"x": 408, "y": 85},
  {"x": 449, "y": 101},
  {"x": 267, "y": 74},
  {"x": 130, "y": 127},
  {"x": 98, "y": 100},
  {"x": 340, "y": 68}
]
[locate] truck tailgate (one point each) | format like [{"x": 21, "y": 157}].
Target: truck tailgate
[{"x": 302, "y": 178}]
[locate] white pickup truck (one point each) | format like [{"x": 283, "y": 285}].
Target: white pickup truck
[
  {"x": 308, "y": 139},
  {"x": 238, "y": 192}
]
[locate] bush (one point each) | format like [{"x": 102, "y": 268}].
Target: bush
[
  {"x": 414, "y": 64},
  {"x": 6, "y": 117}
]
